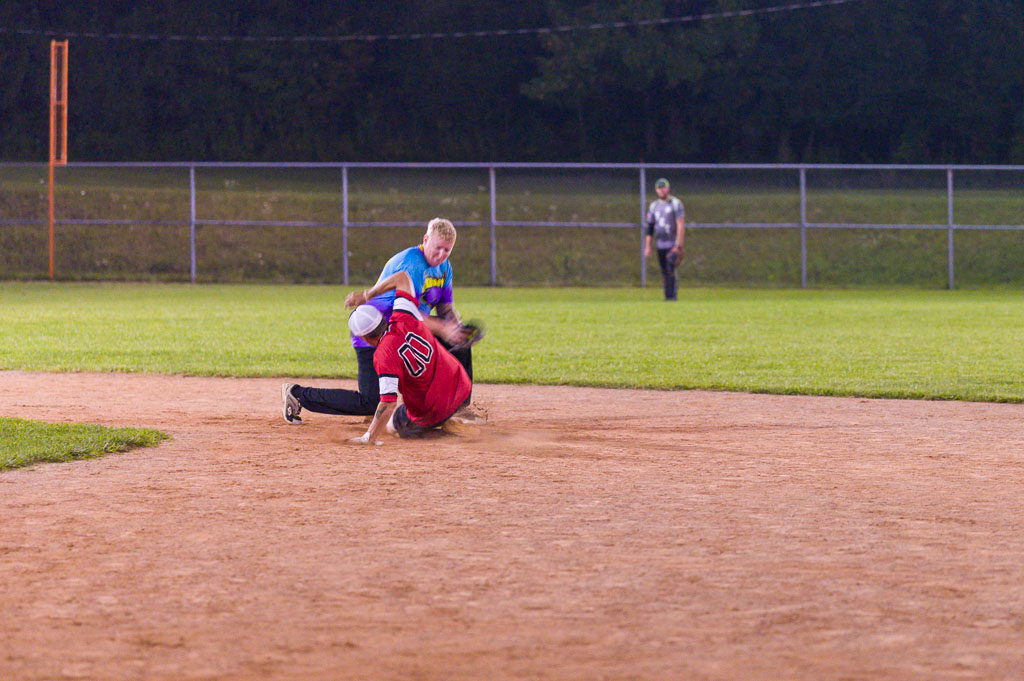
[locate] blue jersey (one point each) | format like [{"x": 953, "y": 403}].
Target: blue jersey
[{"x": 433, "y": 285}]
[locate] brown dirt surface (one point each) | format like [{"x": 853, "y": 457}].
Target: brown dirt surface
[{"x": 581, "y": 534}]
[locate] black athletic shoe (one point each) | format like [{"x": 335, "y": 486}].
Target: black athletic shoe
[{"x": 290, "y": 405}]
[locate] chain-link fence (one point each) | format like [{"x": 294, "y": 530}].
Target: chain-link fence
[{"x": 519, "y": 224}]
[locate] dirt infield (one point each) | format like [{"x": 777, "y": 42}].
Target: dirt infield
[{"x": 582, "y": 534}]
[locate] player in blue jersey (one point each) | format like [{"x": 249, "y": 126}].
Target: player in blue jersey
[{"x": 432, "y": 278}]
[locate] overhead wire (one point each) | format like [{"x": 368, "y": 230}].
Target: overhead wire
[{"x": 501, "y": 32}]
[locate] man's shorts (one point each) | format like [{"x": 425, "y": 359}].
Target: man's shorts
[{"x": 405, "y": 428}]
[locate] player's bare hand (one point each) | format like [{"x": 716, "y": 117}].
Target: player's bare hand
[
  {"x": 364, "y": 439},
  {"x": 355, "y": 299},
  {"x": 647, "y": 252}
]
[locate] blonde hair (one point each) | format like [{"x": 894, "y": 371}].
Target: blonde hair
[{"x": 442, "y": 228}]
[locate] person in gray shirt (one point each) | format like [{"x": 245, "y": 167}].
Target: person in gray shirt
[{"x": 666, "y": 224}]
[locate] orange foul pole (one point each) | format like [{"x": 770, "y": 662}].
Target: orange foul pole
[{"x": 58, "y": 119}]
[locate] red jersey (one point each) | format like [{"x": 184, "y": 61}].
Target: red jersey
[{"x": 409, "y": 360}]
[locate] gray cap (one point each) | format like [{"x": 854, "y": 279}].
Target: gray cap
[{"x": 661, "y": 182}]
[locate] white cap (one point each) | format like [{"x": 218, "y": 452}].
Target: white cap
[{"x": 364, "y": 319}]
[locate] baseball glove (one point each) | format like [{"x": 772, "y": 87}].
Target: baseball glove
[{"x": 474, "y": 331}]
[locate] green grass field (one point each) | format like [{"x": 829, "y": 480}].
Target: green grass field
[
  {"x": 527, "y": 256},
  {"x": 903, "y": 343},
  {"x": 23, "y": 442}
]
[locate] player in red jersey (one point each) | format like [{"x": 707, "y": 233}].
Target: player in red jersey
[{"x": 408, "y": 360}]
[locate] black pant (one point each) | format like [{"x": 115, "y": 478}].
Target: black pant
[
  {"x": 465, "y": 357},
  {"x": 406, "y": 429},
  {"x": 363, "y": 402},
  {"x": 668, "y": 273}
]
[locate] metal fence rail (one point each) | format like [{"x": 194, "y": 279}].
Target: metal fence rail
[{"x": 950, "y": 226}]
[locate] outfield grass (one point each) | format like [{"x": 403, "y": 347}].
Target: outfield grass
[
  {"x": 964, "y": 344},
  {"x": 23, "y": 443},
  {"x": 526, "y": 256}
]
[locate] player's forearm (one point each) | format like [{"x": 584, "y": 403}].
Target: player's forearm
[
  {"x": 398, "y": 280},
  {"x": 438, "y": 326},
  {"x": 680, "y": 233},
  {"x": 450, "y": 331},
  {"x": 447, "y": 312},
  {"x": 380, "y": 420}
]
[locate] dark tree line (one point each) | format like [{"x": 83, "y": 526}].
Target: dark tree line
[{"x": 870, "y": 81}]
